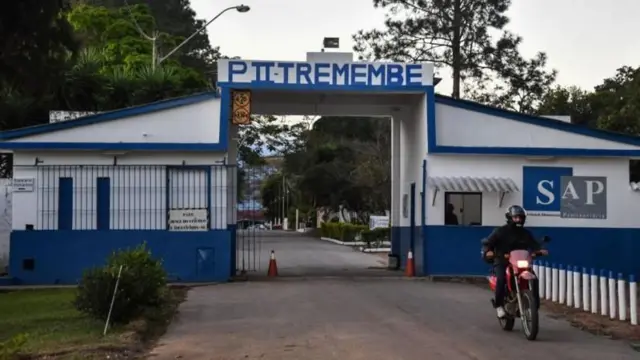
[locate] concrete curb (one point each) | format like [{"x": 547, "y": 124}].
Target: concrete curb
[{"x": 352, "y": 243}]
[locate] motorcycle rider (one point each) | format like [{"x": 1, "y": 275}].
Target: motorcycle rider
[{"x": 503, "y": 240}]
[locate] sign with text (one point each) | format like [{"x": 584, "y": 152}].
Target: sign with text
[
  {"x": 23, "y": 184},
  {"x": 584, "y": 197},
  {"x": 542, "y": 189},
  {"x": 189, "y": 220},
  {"x": 241, "y": 107},
  {"x": 314, "y": 74}
]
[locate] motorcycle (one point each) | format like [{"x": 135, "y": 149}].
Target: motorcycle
[{"x": 520, "y": 301}]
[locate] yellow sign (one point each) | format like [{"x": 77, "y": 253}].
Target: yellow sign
[{"x": 241, "y": 107}]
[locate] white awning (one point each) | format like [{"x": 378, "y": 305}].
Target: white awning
[{"x": 473, "y": 184}]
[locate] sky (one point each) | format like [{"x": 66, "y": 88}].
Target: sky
[{"x": 586, "y": 40}]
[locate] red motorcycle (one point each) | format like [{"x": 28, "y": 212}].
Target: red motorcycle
[{"x": 520, "y": 301}]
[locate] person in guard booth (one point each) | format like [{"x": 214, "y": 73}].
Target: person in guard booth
[
  {"x": 503, "y": 240},
  {"x": 450, "y": 218}
]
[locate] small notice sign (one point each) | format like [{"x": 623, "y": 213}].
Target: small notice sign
[
  {"x": 23, "y": 184},
  {"x": 188, "y": 220},
  {"x": 241, "y": 107}
]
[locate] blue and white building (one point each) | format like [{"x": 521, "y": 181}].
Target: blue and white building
[{"x": 164, "y": 173}]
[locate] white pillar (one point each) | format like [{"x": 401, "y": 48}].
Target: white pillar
[
  {"x": 633, "y": 299},
  {"x": 622, "y": 298},
  {"x": 604, "y": 291},
  {"x": 554, "y": 283},
  {"x": 562, "y": 285},
  {"x": 576, "y": 288},
  {"x": 569, "y": 286},
  {"x": 586, "y": 293},
  {"x": 612, "y": 296},
  {"x": 548, "y": 281},
  {"x": 594, "y": 291}
]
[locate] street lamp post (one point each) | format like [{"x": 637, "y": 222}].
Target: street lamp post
[{"x": 155, "y": 61}]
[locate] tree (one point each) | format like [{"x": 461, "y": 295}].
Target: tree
[
  {"x": 36, "y": 42},
  {"x": 452, "y": 33},
  {"x": 571, "y": 101},
  {"x": 519, "y": 84},
  {"x": 456, "y": 34},
  {"x": 176, "y": 18},
  {"x": 617, "y": 101}
]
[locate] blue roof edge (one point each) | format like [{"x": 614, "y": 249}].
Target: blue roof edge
[
  {"x": 108, "y": 116},
  {"x": 539, "y": 121}
]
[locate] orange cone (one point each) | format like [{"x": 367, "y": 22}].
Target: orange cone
[
  {"x": 410, "y": 268},
  {"x": 273, "y": 266}
]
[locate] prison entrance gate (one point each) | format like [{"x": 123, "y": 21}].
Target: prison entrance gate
[
  {"x": 331, "y": 84},
  {"x": 255, "y": 217}
]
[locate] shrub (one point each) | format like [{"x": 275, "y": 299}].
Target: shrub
[
  {"x": 375, "y": 237},
  {"x": 142, "y": 285},
  {"x": 341, "y": 231}
]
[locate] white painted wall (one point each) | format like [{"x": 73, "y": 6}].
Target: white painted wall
[
  {"x": 138, "y": 194},
  {"x": 623, "y": 204},
  {"x": 194, "y": 123},
  {"x": 461, "y": 127}
]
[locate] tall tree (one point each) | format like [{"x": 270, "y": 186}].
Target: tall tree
[
  {"x": 451, "y": 33},
  {"x": 571, "y": 101},
  {"x": 176, "y": 18},
  {"x": 36, "y": 41},
  {"x": 457, "y": 34}
]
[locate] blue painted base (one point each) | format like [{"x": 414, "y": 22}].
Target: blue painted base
[
  {"x": 401, "y": 243},
  {"x": 453, "y": 250},
  {"x": 60, "y": 257},
  {"x": 7, "y": 281}
]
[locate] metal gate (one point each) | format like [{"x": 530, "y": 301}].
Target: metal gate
[{"x": 251, "y": 215}]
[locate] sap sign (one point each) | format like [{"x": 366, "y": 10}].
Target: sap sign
[
  {"x": 319, "y": 74},
  {"x": 542, "y": 188}
]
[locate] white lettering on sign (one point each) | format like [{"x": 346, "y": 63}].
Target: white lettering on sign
[
  {"x": 323, "y": 73},
  {"x": 188, "y": 220},
  {"x": 546, "y": 192},
  {"x": 23, "y": 184}
]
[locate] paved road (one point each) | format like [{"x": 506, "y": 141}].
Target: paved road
[
  {"x": 363, "y": 318},
  {"x": 358, "y": 317},
  {"x": 299, "y": 255}
]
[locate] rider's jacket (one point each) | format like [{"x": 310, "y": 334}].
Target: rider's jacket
[{"x": 510, "y": 237}]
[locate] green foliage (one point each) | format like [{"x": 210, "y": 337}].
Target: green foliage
[
  {"x": 377, "y": 235},
  {"x": 11, "y": 348},
  {"x": 142, "y": 285},
  {"x": 342, "y": 231}
]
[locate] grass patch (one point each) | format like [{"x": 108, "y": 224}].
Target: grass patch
[{"x": 48, "y": 324}]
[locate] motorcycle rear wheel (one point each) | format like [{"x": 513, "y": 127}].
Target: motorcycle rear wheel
[{"x": 529, "y": 318}]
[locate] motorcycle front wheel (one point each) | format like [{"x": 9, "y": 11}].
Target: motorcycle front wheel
[{"x": 529, "y": 317}]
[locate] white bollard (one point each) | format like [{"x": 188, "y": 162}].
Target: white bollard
[
  {"x": 569, "y": 286},
  {"x": 612, "y": 296},
  {"x": 554, "y": 283},
  {"x": 562, "y": 285},
  {"x": 536, "y": 269},
  {"x": 547, "y": 276},
  {"x": 622, "y": 298},
  {"x": 576, "y": 288},
  {"x": 541, "y": 281},
  {"x": 586, "y": 293},
  {"x": 594, "y": 291},
  {"x": 633, "y": 300},
  {"x": 604, "y": 291}
]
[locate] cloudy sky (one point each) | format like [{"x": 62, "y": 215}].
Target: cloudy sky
[{"x": 586, "y": 40}]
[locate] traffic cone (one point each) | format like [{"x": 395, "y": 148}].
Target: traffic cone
[
  {"x": 273, "y": 266},
  {"x": 410, "y": 268}
]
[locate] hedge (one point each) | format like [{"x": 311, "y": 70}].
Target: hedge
[
  {"x": 341, "y": 231},
  {"x": 347, "y": 232}
]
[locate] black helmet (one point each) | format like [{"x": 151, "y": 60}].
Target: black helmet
[{"x": 516, "y": 211}]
